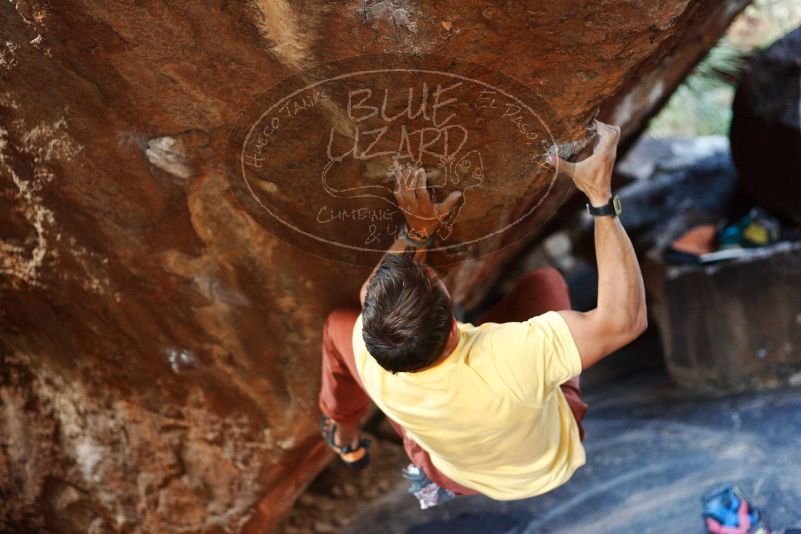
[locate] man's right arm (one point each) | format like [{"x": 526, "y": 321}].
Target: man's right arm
[
  {"x": 420, "y": 212},
  {"x": 620, "y": 315}
]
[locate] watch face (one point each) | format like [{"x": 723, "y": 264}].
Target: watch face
[{"x": 617, "y": 205}]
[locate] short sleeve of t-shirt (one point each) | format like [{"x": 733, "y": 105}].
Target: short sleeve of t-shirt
[{"x": 535, "y": 356}]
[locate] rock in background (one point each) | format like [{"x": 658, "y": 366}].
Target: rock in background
[
  {"x": 161, "y": 349},
  {"x": 676, "y": 183},
  {"x": 732, "y": 326},
  {"x": 766, "y": 128}
]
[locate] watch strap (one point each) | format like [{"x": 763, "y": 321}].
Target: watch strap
[
  {"x": 610, "y": 209},
  {"x": 404, "y": 234}
]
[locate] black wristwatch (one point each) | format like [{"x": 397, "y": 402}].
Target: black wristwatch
[{"x": 610, "y": 209}]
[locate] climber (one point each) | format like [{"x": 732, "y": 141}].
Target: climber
[{"x": 492, "y": 408}]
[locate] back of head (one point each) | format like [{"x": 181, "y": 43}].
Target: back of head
[{"x": 407, "y": 316}]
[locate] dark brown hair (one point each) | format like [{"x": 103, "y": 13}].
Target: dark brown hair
[{"x": 407, "y": 317}]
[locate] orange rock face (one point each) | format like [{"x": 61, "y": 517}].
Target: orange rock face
[{"x": 160, "y": 343}]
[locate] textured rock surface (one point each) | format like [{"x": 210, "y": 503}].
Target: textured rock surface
[
  {"x": 160, "y": 348},
  {"x": 766, "y": 127}
]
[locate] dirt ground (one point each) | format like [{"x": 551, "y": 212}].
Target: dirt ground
[{"x": 341, "y": 494}]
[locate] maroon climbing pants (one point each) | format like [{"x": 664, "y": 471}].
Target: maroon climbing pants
[{"x": 342, "y": 397}]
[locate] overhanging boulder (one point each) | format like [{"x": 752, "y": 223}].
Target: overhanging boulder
[{"x": 160, "y": 347}]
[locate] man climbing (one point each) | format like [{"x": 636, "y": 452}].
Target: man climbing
[{"x": 493, "y": 408}]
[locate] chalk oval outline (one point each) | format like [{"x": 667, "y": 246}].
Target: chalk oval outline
[{"x": 243, "y": 175}]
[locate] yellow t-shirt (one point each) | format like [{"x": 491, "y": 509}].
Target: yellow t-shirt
[{"x": 491, "y": 415}]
